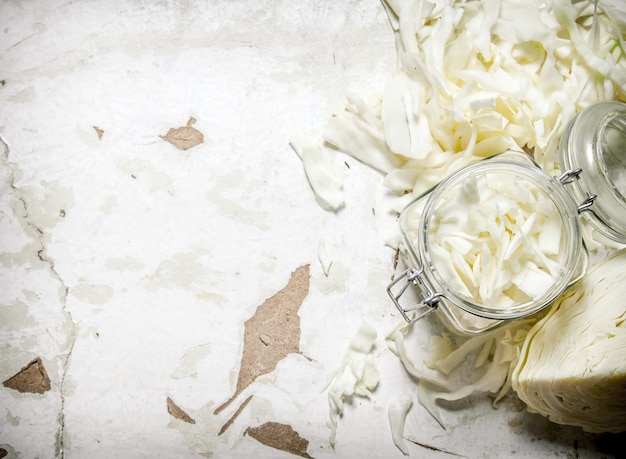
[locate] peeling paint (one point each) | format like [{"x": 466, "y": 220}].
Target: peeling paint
[
  {"x": 280, "y": 436},
  {"x": 36, "y": 217},
  {"x": 185, "y": 137},
  {"x": 276, "y": 317},
  {"x": 92, "y": 293},
  {"x": 189, "y": 362},
  {"x": 178, "y": 413},
  {"x": 230, "y": 421},
  {"x": 32, "y": 378}
]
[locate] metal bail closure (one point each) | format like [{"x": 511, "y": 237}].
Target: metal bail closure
[
  {"x": 570, "y": 176},
  {"x": 587, "y": 203},
  {"x": 430, "y": 299}
]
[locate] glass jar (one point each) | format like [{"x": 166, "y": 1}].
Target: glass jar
[
  {"x": 500, "y": 239},
  {"x": 595, "y": 143}
]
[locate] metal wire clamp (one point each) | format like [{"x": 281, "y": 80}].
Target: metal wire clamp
[
  {"x": 430, "y": 299},
  {"x": 572, "y": 175}
]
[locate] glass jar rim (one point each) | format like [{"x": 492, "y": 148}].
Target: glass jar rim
[{"x": 555, "y": 192}]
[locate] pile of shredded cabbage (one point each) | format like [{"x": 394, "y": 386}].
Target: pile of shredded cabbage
[
  {"x": 493, "y": 355},
  {"x": 474, "y": 78}
]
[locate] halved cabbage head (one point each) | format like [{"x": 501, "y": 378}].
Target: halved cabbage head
[{"x": 572, "y": 366}]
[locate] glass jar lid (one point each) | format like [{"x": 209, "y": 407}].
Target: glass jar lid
[{"x": 595, "y": 142}]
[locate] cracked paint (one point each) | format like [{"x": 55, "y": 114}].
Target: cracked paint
[{"x": 37, "y": 255}]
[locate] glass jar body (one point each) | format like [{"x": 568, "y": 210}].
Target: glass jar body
[{"x": 477, "y": 241}]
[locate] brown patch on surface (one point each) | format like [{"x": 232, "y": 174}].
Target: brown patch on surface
[
  {"x": 280, "y": 436},
  {"x": 175, "y": 411},
  {"x": 272, "y": 333},
  {"x": 3, "y": 452},
  {"x": 515, "y": 425},
  {"x": 32, "y": 378},
  {"x": 234, "y": 416},
  {"x": 515, "y": 422},
  {"x": 99, "y": 132},
  {"x": 184, "y": 137}
]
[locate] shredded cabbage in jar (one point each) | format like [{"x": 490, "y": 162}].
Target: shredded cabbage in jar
[{"x": 495, "y": 240}]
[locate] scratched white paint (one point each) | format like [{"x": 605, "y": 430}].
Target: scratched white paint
[{"x": 130, "y": 266}]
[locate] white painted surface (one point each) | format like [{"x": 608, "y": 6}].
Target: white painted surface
[{"x": 130, "y": 266}]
